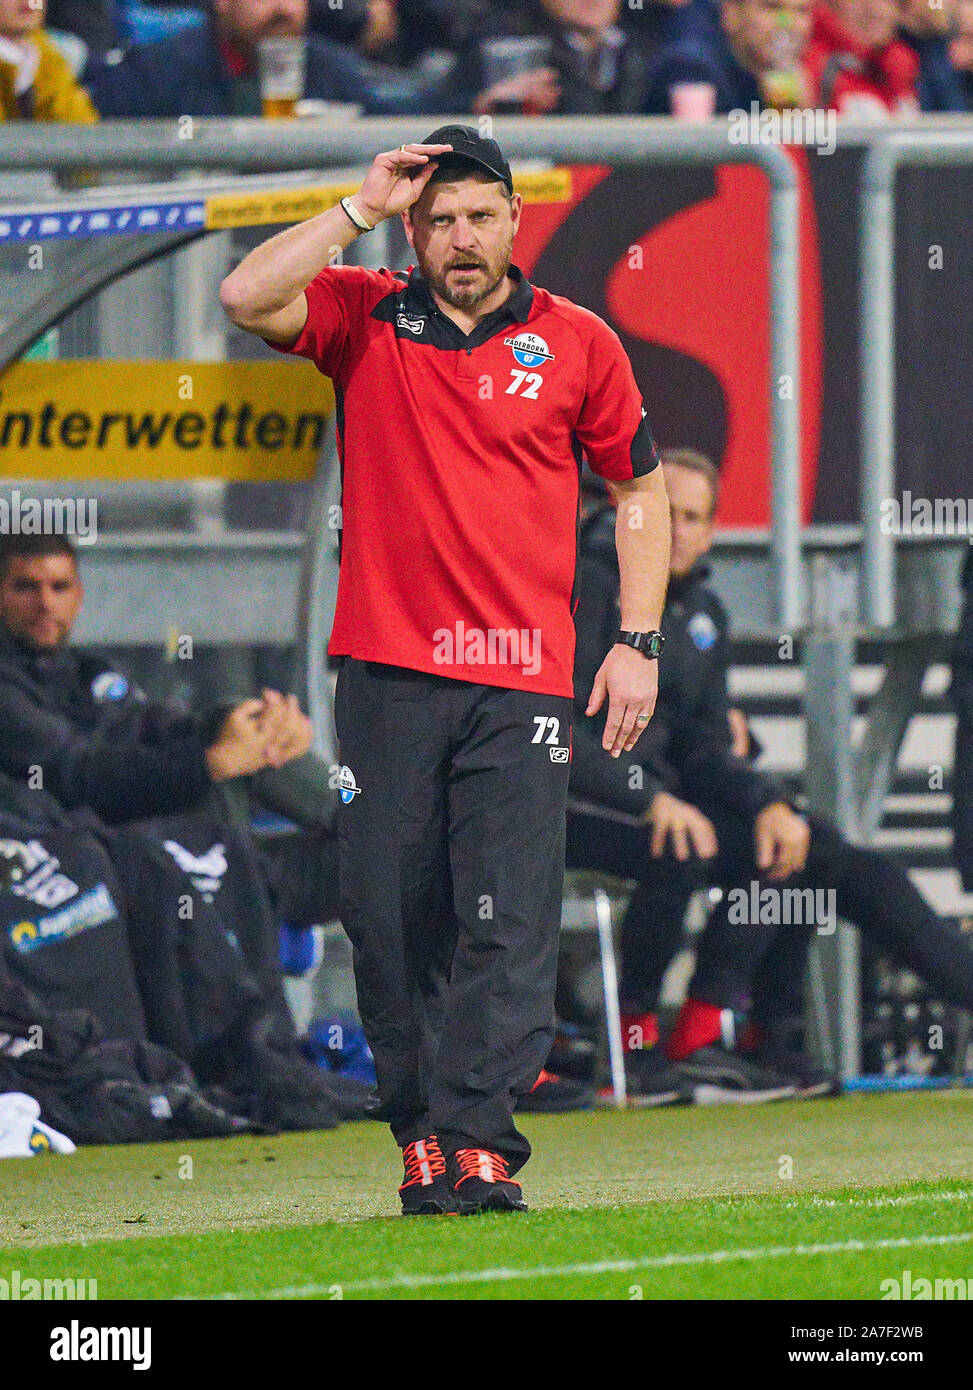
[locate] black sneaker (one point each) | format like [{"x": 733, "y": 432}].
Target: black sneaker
[
  {"x": 654, "y": 1080},
  {"x": 552, "y": 1095},
  {"x": 811, "y": 1080},
  {"x": 781, "y": 1049},
  {"x": 426, "y": 1190},
  {"x": 720, "y": 1077},
  {"x": 481, "y": 1181}
]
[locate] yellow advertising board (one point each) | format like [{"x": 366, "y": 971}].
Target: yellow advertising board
[
  {"x": 261, "y": 209},
  {"x": 244, "y": 421}
]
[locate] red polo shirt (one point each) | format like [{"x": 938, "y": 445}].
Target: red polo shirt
[{"x": 460, "y": 464}]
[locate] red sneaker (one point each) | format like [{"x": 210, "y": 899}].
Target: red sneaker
[
  {"x": 425, "y": 1190},
  {"x": 481, "y": 1181}
]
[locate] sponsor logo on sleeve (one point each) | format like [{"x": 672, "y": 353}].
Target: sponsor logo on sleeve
[{"x": 92, "y": 909}]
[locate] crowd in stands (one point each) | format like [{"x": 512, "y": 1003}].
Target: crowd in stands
[{"x": 76, "y": 60}]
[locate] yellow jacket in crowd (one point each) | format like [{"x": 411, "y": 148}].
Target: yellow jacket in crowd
[{"x": 42, "y": 87}]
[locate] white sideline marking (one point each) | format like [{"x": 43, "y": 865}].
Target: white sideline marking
[
  {"x": 907, "y": 1199},
  {"x": 490, "y": 1276}
]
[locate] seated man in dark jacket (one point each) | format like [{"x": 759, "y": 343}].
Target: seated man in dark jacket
[
  {"x": 77, "y": 729},
  {"x": 212, "y": 70},
  {"x": 961, "y": 51},
  {"x": 698, "y": 814},
  {"x": 927, "y": 30},
  {"x": 72, "y": 726}
]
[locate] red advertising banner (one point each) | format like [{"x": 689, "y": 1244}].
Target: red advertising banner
[{"x": 684, "y": 280}]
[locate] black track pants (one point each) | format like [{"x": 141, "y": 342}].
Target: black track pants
[
  {"x": 871, "y": 892},
  {"x": 743, "y": 962},
  {"x": 451, "y": 861}
]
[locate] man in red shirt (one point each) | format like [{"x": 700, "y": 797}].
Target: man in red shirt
[
  {"x": 857, "y": 64},
  {"x": 466, "y": 398}
]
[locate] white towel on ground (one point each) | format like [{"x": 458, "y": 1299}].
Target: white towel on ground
[{"x": 22, "y": 1132}]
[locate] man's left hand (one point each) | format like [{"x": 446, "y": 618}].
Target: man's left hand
[
  {"x": 288, "y": 730},
  {"x": 631, "y": 683},
  {"x": 782, "y": 840}
]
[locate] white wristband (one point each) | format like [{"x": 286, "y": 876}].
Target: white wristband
[{"x": 356, "y": 216}]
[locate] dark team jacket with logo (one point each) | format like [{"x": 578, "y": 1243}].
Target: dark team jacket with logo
[
  {"x": 460, "y": 471},
  {"x": 97, "y": 739},
  {"x": 686, "y": 748}
]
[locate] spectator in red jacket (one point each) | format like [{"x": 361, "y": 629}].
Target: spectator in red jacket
[{"x": 857, "y": 65}]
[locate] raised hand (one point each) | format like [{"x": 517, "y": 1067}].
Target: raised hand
[
  {"x": 396, "y": 180},
  {"x": 288, "y": 731}
]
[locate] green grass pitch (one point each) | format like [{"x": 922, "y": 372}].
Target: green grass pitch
[{"x": 821, "y": 1199}]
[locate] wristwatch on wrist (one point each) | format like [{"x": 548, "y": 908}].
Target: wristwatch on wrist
[{"x": 650, "y": 644}]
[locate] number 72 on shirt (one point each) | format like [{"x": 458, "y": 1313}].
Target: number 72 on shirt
[{"x": 531, "y": 381}]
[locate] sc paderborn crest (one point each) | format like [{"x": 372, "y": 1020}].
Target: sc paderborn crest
[{"x": 529, "y": 350}]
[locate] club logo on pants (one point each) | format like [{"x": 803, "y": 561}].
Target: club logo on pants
[{"x": 348, "y": 789}]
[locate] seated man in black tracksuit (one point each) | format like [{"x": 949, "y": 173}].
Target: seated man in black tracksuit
[
  {"x": 79, "y": 730},
  {"x": 698, "y": 814}
]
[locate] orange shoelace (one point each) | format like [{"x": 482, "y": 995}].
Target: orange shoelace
[
  {"x": 543, "y": 1079},
  {"x": 423, "y": 1162},
  {"x": 481, "y": 1163}
]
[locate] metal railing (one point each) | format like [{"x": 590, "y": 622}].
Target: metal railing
[
  {"x": 249, "y": 145},
  {"x": 889, "y": 152}
]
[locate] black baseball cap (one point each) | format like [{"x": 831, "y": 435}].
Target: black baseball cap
[{"x": 470, "y": 146}]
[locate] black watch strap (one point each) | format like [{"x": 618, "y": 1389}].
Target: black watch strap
[{"x": 650, "y": 644}]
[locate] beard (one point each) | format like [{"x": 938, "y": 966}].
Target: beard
[{"x": 467, "y": 295}]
